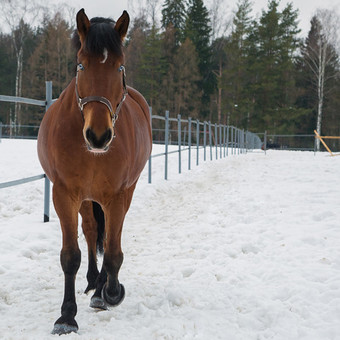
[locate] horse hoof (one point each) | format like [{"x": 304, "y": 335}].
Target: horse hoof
[
  {"x": 64, "y": 328},
  {"x": 115, "y": 300},
  {"x": 98, "y": 303}
]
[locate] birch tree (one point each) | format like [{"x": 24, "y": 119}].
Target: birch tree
[
  {"x": 16, "y": 14},
  {"x": 319, "y": 54}
]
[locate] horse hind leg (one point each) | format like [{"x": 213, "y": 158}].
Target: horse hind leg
[
  {"x": 93, "y": 228},
  {"x": 110, "y": 292}
]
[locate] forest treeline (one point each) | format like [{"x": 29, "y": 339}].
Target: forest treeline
[{"x": 258, "y": 75}]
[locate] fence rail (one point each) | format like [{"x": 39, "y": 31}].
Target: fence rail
[
  {"x": 192, "y": 135},
  {"x": 46, "y": 103},
  {"x": 301, "y": 142},
  {"x": 189, "y": 134}
]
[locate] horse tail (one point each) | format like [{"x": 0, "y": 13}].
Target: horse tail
[{"x": 100, "y": 219}]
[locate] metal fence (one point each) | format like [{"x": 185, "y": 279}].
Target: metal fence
[
  {"x": 18, "y": 131},
  {"x": 189, "y": 135},
  {"x": 297, "y": 142},
  {"x": 47, "y": 103}
]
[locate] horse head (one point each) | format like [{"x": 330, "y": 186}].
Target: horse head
[{"x": 100, "y": 81}]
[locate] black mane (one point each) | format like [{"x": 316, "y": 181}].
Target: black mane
[{"x": 101, "y": 35}]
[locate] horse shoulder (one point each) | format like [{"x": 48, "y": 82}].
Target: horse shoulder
[{"x": 140, "y": 100}]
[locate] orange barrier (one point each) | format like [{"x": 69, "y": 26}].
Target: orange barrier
[{"x": 324, "y": 144}]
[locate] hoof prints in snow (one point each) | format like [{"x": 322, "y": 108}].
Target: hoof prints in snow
[{"x": 241, "y": 248}]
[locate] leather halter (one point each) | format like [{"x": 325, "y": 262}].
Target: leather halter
[{"x": 83, "y": 101}]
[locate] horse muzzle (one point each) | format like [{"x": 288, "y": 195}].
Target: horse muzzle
[{"x": 98, "y": 144}]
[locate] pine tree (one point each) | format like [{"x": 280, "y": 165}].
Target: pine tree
[
  {"x": 152, "y": 68},
  {"x": 198, "y": 30},
  {"x": 219, "y": 64},
  {"x": 53, "y": 58},
  {"x": 289, "y": 44},
  {"x": 274, "y": 46},
  {"x": 321, "y": 65},
  {"x": 7, "y": 76},
  {"x": 134, "y": 50},
  {"x": 169, "y": 50},
  {"x": 173, "y": 14},
  {"x": 236, "y": 75},
  {"x": 186, "y": 76}
]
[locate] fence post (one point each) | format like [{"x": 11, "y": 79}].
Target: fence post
[
  {"x": 205, "y": 140},
  {"x": 224, "y": 127},
  {"x": 166, "y": 143},
  {"x": 47, "y": 181},
  {"x": 197, "y": 141},
  {"x": 227, "y": 140},
  {"x": 232, "y": 140},
  {"x": 245, "y": 141},
  {"x": 210, "y": 140},
  {"x": 241, "y": 143},
  {"x": 216, "y": 140},
  {"x": 237, "y": 132},
  {"x": 265, "y": 142},
  {"x": 189, "y": 143},
  {"x": 179, "y": 143},
  {"x": 220, "y": 128},
  {"x": 150, "y": 158},
  {"x": 235, "y": 144}
]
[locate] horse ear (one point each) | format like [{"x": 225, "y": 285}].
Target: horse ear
[
  {"x": 122, "y": 25},
  {"x": 83, "y": 24}
]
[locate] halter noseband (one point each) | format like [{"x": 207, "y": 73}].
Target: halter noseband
[{"x": 83, "y": 101}]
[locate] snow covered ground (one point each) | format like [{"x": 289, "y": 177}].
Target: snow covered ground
[{"x": 246, "y": 247}]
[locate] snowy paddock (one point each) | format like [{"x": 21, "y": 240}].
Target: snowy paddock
[{"x": 246, "y": 247}]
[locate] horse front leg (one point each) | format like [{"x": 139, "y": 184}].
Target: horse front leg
[
  {"x": 110, "y": 292},
  {"x": 67, "y": 209}
]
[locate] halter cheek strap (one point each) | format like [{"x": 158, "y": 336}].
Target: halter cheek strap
[{"x": 83, "y": 101}]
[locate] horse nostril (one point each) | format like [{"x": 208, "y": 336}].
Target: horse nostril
[
  {"x": 98, "y": 143},
  {"x": 107, "y": 136},
  {"x": 90, "y": 136}
]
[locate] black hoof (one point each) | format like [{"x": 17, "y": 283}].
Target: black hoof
[
  {"x": 98, "y": 303},
  {"x": 113, "y": 301},
  {"x": 64, "y": 328},
  {"x": 105, "y": 302}
]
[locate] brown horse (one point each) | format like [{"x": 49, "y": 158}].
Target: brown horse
[{"x": 94, "y": 160}]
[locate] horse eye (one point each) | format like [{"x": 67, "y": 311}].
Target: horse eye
[
  {"x": 80, "y": 67},
  {"x": 121, "y": 68}
]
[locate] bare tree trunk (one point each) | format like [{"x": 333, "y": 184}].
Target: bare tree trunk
[
  {"x": 15, "y": 13},
  {"x": 219, "y": 93},
  {"x": 318, "y": 54},
  {"x": 321, "y": 83},
  {"x": 219, "y": 99},
  {"x": 18, "y": 89},
  {"x": 219, "y": 105}
]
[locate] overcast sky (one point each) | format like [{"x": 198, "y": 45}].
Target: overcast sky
[{"x": 114, "y": 8}]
